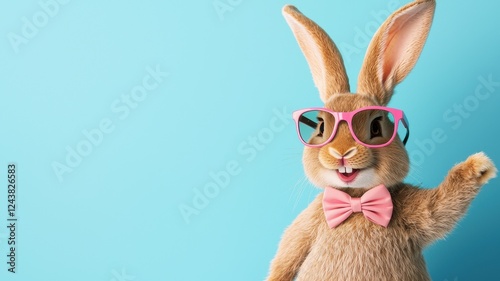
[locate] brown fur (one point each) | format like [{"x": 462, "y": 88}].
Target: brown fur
[
  {"x": 358, "y": 249},
  {"x": 361, "y": 250},
  {"x": 324, "y": 59}
]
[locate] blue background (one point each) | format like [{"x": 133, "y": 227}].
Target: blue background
[{"x": 118, "y": 211}]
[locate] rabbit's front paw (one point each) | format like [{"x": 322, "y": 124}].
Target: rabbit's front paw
[{"x": 478, "y": 169}]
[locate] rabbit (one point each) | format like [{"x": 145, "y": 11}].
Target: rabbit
[{"x": 359, "y": 248}]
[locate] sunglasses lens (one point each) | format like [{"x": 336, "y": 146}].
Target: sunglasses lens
[
  {"x": 373, "y": 126},
  {"x": 315, "y": 126}
]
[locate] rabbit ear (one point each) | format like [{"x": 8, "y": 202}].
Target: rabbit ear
[
  {"x": 322, "y": 55},
  {"x": 394, "y": 50}
]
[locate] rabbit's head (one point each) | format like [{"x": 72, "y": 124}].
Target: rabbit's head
[{"x": 353, "y": 141}]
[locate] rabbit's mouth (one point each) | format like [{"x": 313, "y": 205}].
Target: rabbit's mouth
[
  {"x": 349, "y": 177},
  {"x": 347, "y": 174}
]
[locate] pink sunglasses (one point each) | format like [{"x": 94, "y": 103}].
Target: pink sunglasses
[{"x": 313, "y": 125}]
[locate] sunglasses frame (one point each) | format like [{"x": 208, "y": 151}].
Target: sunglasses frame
[{"x": 347, "y": 117}]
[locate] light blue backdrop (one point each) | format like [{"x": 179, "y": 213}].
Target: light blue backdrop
[{"x": 151, "y": 143}]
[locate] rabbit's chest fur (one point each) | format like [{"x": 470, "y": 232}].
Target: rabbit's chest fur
[{"x": 360, "y": 250}]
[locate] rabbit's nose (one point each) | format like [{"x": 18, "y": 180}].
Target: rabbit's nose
[{"x": 346, "y": 155}]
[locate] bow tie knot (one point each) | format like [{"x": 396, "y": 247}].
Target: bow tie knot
[
  {"x": 375, "y": 204},
  {"x": 356, "y": 205}
]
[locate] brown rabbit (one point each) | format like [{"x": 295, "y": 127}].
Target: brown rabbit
[{"x": 355, "y": 153}]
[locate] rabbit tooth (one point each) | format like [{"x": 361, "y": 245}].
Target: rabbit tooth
[
  {"x": 342, "y": 169},
  {"x": 348, "y": 170}
]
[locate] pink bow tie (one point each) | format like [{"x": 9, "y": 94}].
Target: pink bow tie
[{"x": 375, "y": 204}]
